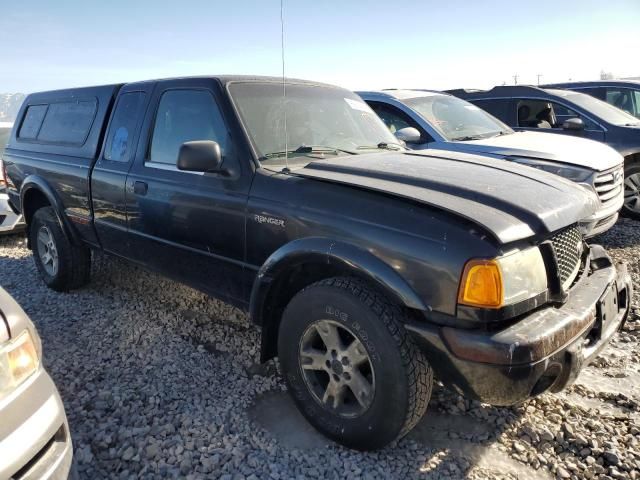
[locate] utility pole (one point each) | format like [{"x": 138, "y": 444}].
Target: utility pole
[
  {"x": 539, "y": 76},
  {"x": 515, "y": 79}
]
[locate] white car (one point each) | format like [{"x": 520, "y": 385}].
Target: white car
[
  {"x": 429, "y": 119},
  {"x": 10, "y": 221},
  {"x": 35, "y": 442}
]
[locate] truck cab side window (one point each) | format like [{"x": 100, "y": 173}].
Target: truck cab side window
[
  {"x": 121, "y": 131},
  {"x": 184, "y": 116}
]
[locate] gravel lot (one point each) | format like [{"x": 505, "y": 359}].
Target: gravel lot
[{"x": 159, "y": 380}]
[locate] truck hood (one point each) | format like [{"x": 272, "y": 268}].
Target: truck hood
[
  {"x": 549, "y": 146},
  {"x": 510, "y": 201}
]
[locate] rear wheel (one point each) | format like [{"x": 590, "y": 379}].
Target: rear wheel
[
  {"x": 62, "y": 265},
  {"x": 351, "y": 367},
  {"x": 631, "y": 206}
]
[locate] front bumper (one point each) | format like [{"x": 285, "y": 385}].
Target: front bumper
[
  {"x": 596, "y": 226},
  {"x": 607, "y": 215},
  {"x": 542, "y": 351},
  {"x": 34, "y": 435},
  {"x": 9, "y": 220}
]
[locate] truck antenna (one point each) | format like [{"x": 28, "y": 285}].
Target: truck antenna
[{"x": 284, "y": 90}]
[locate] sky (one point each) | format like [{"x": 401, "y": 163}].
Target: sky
[{"x": 358, "y": 44}]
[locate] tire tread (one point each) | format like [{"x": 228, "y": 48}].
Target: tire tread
[
  {"x": 417, "y": 369},
  {"x": 74, "y": 261}
]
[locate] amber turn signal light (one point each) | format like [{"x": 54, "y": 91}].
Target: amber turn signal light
[{"x": 481, "y": 284}]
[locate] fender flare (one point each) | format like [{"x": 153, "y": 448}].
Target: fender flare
[
  {"x": 35, "y": 182},
  {"x": 334, "y": 253},
  {"x": 631, "y": 155}
]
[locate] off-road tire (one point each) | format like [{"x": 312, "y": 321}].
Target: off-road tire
[
  {"x": 403, "y": 378},
  {"x": 74, "y": 261}
]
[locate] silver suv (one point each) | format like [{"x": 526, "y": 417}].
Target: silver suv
[
  {"x": 34, "y": 433},
  {"x": 429, "y": 119}
]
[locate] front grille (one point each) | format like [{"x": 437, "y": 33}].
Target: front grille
[
  {"x": 568, "y": 247},
  {"x": 608, "y": 185}
]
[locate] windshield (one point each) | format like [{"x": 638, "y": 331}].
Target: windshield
[
  {"x": 603, "y": 110},
  {"x": 457, "y": 119},
  {"x": 331, "y": 120}
]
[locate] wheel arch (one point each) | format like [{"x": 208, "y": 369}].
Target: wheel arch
[
  {"x": 303, "y": 262},
  {"x": 631, "y": 157},
  {"x": 36, "y": 193}
]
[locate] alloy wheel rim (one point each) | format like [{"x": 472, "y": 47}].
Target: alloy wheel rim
[
  {"x": 337, "y": 369},
  {"x": 632, "y": 192},
  {"x": 47, "y": 251}
]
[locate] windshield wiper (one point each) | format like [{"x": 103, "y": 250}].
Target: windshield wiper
[
  {"x": 382, "y": 146},
  {"x": 467, "y": 138},
  {"x": 498, "y": 134},
  {"x": 305, "y": 149}
]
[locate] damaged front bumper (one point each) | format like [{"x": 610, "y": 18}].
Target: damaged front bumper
[{"x": 542, "y": 351}]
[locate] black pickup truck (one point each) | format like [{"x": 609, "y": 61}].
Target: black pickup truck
[{"x": 368, "y": 267}]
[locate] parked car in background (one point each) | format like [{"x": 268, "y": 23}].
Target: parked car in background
[
  {"x": 623, "y": 94},
  {"x": 5, "y": 131},
  {"x": 10, "y": 221},
  {"x": 571, "y": 113},
  {"x": 35, "y": 442},
  {"x": 368, "y": 266},
  {"x": 445, "y": 122}
]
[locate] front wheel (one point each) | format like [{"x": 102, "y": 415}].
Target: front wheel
[
  {"x": 631, "y": 207},
  {"x": 350, "y": 365},
  {"x": 62, "y": 265}
]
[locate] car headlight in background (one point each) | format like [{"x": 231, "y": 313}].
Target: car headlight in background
[
  {"x": 575, "y": 174},
  {"x": 503, "y": 281},
  {"x": 19, "y": 359}
]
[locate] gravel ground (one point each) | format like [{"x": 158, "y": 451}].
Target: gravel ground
[{"x": 159, "y": 380}]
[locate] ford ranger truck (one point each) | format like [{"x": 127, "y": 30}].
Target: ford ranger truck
[{"x": 368, "y": 267}]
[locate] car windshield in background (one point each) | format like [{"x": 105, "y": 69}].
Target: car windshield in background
[
  {"x": 456, "y": 119},
  {"x": 320, "y": 121},
  {"x": 606, "y": 112}
]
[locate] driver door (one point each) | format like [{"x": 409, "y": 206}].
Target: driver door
[{"x": 188, "y": 225}]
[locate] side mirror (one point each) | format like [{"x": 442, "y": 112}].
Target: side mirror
[
  {"x": 573, "y": 124},
  {"x": 408, "y": 135},
  {"x": 200, "y": 156}
]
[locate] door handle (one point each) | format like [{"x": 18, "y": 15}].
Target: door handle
[{"x": 140, "y": 188}]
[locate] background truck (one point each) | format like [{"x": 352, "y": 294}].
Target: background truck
[{"x": 368, "y": 267}]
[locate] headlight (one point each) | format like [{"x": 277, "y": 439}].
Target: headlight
[
  {"x": 504, "y": 280},
  {"x": 18, "y": 361},
  {"x": 572, "y": 173}
]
